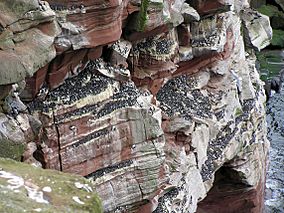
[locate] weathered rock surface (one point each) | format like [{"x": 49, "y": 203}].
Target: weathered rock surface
[
  {"x": 87, "y": 23},
  {"x": 157, "y": 102},
  {"x": 28, "y": 29},
  {"x": 218, "y": 124},
  {"x": 209, "y": 8},
  {"x": 25, "y": 188},
  {"x": 255, "y": 28},
  {"x": 13, "y": 135},
  {"x": 111, "y": 128}
]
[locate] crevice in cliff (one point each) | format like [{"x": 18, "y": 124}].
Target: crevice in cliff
[
  {"x": 140, "y": 188},
  {"x": 58, "y": 142},
  {"x": 228, "y": 189},
  {"x": 38, "y": 155}
]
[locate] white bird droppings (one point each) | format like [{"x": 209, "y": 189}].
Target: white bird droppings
[
  {"x": 83, "y": 186},
  {"x": 46, "y": 189},
  {"x": 77, "y": 200},
  {"x": 36, "y": 195},
  {"x": 79, "y": 185},
  {"x": 16, "y": 182}
]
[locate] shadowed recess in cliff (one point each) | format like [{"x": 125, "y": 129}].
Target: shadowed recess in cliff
[{"x": 229, "y": 195}]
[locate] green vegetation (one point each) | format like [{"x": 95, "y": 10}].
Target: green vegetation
[
  {"x": 9, "y": 149},
  {"x": 270, "y": 11},
  {"x": 142, "y": 16},
  {"x": 267, "y": 59},
  {"x": 267, "y": 68},
  {"x": 238, "y": 112},
  {"x": 278, "y": 38},
  {"x": 60, "y": 197}
]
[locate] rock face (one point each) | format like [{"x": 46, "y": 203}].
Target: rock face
[
  {"x": 28, "y": 29},
  {"x": 255, "y": 28},
  {"x": 157, "y": 102},
  {"x": 87, "y": 23}
]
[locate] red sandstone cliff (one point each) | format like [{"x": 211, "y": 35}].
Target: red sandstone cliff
[{"x": 166, "y": 119}]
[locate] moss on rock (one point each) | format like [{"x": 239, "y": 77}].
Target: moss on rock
[
  {"x": 270, "y": 11},
  {"x": 67, "y": 193},
  {"x": 143, "y": 15},
  {"x": 9, "y": 149},
  {"x": 278, "y": 38}
]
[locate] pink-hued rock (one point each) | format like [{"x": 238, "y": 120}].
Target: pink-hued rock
[
  {"x": 207, "y": 7},
  {"x": 87, "y": 24},
  {"x": 108, "y": 131},
  {"x": 235, "y": 189},
  {"x": 162, "y": 119},
  {"x": 184, "y": 35},
  {"x": 34, "y": 84},
  {"x": 231, "y": 197},
  {"x": 65, "y": 65}
]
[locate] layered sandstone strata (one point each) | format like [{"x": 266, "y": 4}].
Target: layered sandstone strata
[{"x": 156, "y": 116}]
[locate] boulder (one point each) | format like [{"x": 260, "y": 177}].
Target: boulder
[{"x": 257, "y": 30}]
